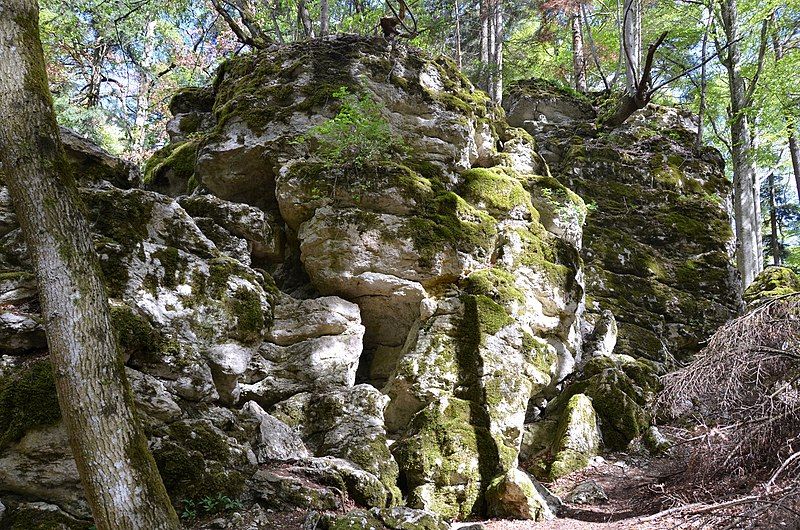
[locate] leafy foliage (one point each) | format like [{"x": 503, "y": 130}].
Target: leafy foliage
[
  {"x": 357, "y": 137},
  {"x": 194, "y": 508}
]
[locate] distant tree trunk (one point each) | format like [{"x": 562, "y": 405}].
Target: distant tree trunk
[
  {"x": 305, "y": 19},
  {"x": 701, "y": 111},
  {"x": 592, "y": 47},
  {"x": 457, "y": 37},
  {"x": 120, "y": 478},
  {"x": 498, "y": 27},
  {"x": 324, "y": 18},
  {"x": 143, "y": 94},
  {"x": 745, "y": 183},
  {"x": 794, "y": 151},
  {"x": 773, "y": 221},
  {"x": 578, "y": 56},
  {"x": 632, "y": 42},
  {"x": 484, "y": 38},
  {"x": 791, "y": 125}
]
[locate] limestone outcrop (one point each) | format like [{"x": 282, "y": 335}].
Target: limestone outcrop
[{"x": 397, "y": 335}]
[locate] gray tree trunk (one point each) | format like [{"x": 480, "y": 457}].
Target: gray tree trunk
[
  {"x": 457, "y": 36},
  {"x": 498, "y": 27},
  {"x": 632, "y": 42},
  {"x": 578, "y": 55},
  {"x": 484, "y": 38},
  {"x": 745, "y": 183},
  {"x": 703, "y": 79},
  {"x": 773, "y": 221},
  {"x": 791, "y": 125},
  {"x": 305, "y": 19},
  {"x": 324, "y": 18},
  {"x": 794, "y": 151},
  {"x": 120, "y": 478}
]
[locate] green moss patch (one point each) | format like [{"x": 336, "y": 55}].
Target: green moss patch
[
  {"x": 498, "y": 284},
  {"x": 772, "y": 282},
  {"x": 28, "y": 400},
  {"x": 175, "y": 162},
  {"x": 495, "y": 189}
]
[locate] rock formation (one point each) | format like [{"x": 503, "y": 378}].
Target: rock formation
[{"x": 401, "y": 334}]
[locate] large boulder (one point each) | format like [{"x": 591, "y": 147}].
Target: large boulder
[{"x": 657, "y": 243}]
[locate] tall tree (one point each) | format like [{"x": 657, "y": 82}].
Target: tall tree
[
  {"x": 492, "y": 35},
  {"x": 631, "y": 43},
  {"x": 119, "y": 476},
  {"x": 745, "y": 183},
  {"x": 578, "y": 55}
]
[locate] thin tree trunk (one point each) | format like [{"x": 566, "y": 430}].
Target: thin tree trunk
[
  {"x": 632, "y": 42},
  {"x": 457, "y": 36},
  {"x": 578, "y": 56},
  {"x": 484, "y": 37},
  {"x": 703, "y": 80},
  {"x": 490, "y": 21},
  {"x": 119, "y": 476},
  {"x": 143, "y": 94},
  {"x": 497, "y": 52},
  {"x": 791, "y": 125},
  {"x": 592, "y": 47},
  {"x": 745, "y": 183},
  {"x": 305, "y": 19},
  {"x": 324, "y": 18},
  {"x": 794, "y": 151},
  {"x": 773, "y": 221}
]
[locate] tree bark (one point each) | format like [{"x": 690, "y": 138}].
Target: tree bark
[
  {"x": 703, "y": 80},
  {"x": 457, "y": 37},
  {"x": 119, "y": 476},
  {"x": 632, "y": 42},
  {"x": 484, "y": 38},
  {"x": 745, "y": 183},
  {"x": 305, "y": 19},
  {"x": 578, "y": 56},
  {"x": 794, "y": 152},
  {"x": 498, "y": 27},
  {"x": 791, "y": 125},
  {"x": 773, "y": 221},
  {"x": 324, "y": 18}
]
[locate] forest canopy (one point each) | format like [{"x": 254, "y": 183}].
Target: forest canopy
[{"x": 113, "y": 66}]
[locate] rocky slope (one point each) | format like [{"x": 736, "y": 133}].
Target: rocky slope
[{"x": 301, "y": 336}]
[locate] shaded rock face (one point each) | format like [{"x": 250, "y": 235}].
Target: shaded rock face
[
  {"x": 657, "y": 246},
  {"x": 301, "y": 335}
]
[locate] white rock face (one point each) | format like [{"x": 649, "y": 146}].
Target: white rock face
[
  {"x": 517, "y": 495},
  {"x": 317, "y": 344},
  {"x": 275, "y": 439},
  {"x": 41, "y": 466}
]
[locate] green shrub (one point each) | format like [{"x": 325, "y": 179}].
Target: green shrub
[{"x": 358, "y": 136}]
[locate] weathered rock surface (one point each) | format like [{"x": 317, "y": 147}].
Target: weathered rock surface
[
  {"x": 305, "y": 336},
  {"x": 657, "y": 242}
]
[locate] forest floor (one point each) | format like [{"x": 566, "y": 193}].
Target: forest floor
[{"x": 639, "y": 486}]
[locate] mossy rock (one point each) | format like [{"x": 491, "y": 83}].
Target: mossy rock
[
  {"x": 495, "y": 283},
  {"x": 192, "y": 99},
  {"x": 771, "y": 283},
  {"x": 171, "y": 168},
  {"x": 441, "y": 458},
  {"x": 39, "y": 516},
  {"x": 498, "y": 190},
  {"x": 28, "y": 400},
  {"x": 138, "y": 339},
  {"x": 355, "y": 520},
  {"x": 187, "y": 476},
  {"x": 620, "y": 388},
  {"x": 577, "y": 438}
]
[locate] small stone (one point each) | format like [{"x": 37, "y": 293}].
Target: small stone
[{"x": 587, "y": 492}]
